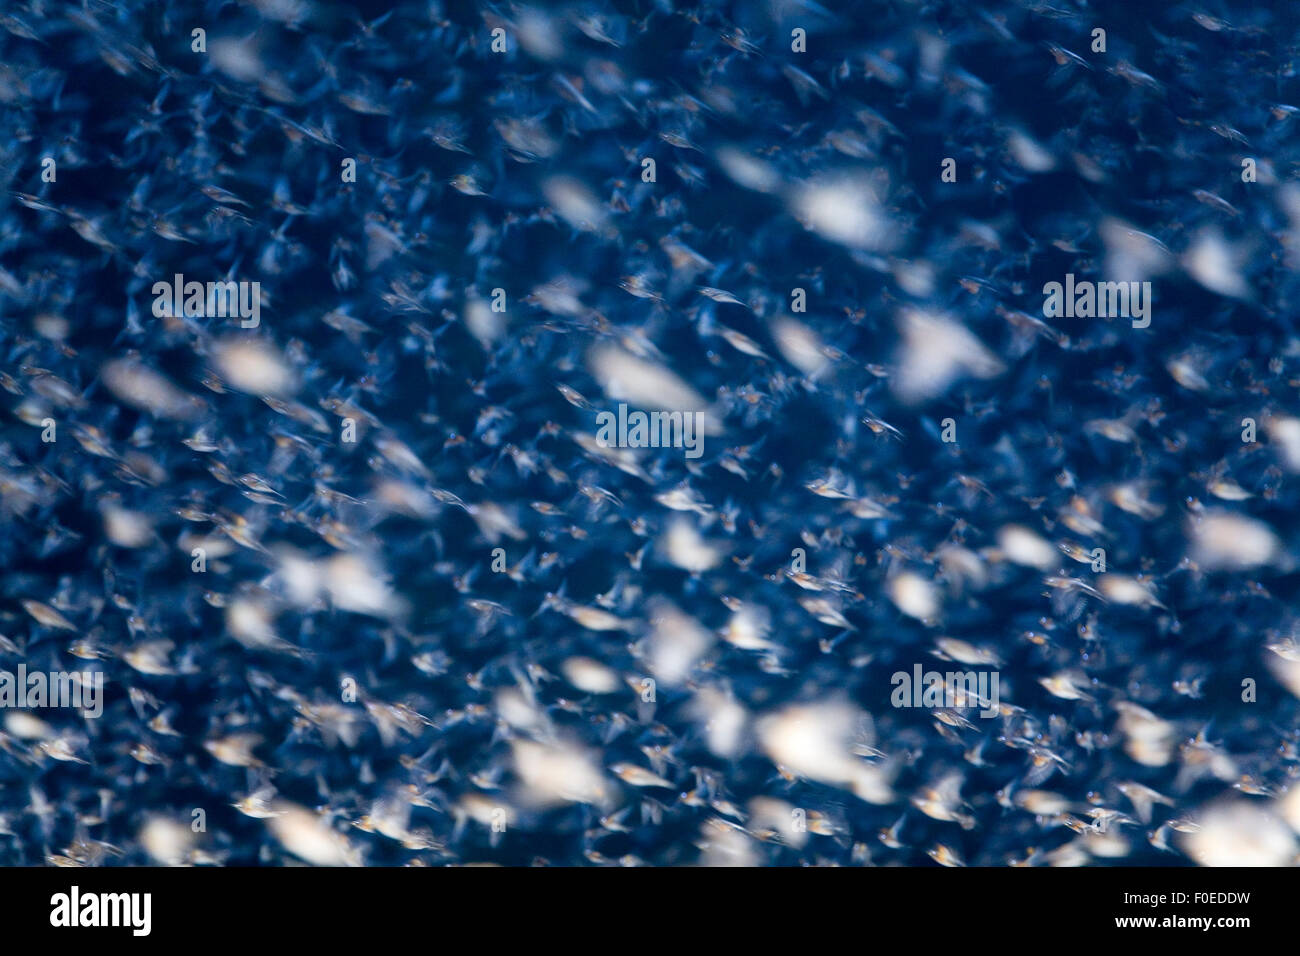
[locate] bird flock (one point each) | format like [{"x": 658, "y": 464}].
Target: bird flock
[{"x": 366, "y": 585}]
